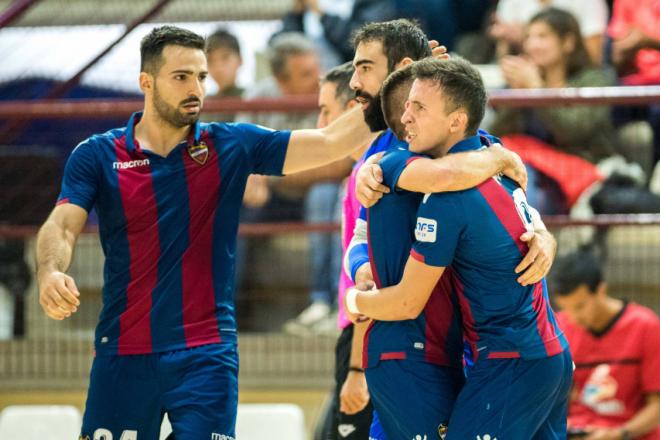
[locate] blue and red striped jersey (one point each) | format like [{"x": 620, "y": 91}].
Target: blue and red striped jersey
[
  {"x": 168, "y": 230},
  {"x": 435, "y": 336},
  {"x": 477, "y": 232}
]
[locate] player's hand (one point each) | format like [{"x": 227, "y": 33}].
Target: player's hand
[
  {"x": 512, "y": 165},
  {"x": 605, "y": 434},
  {"x": 354, "y": 395},
  {"x": 368, "y": 182},
  {"x": 539, "y": 258},
  {"x": 58, "y": 295},
  {"x": 437, "y": 51},
  {"x": 364, "y": 279}
]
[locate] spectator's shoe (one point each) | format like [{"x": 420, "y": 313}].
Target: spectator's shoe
[
  {"x": 302, "y": 324},
  {"x": 326, "y": 326},
  {"x": 654, "y": 184}
]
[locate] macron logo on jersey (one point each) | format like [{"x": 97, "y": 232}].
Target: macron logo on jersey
[
  {"x": 130, "y": 164},
  {"x": 426, "y": 229}
]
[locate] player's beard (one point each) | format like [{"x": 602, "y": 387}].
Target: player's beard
[
  {"x": 172, "y": 115},
  {"x": 373, "y": 114}
]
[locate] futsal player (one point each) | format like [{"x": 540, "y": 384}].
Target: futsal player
[{"x": 518, "y": 385}]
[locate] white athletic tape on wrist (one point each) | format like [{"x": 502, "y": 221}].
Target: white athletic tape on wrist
[{"x": 351, "y": 301}]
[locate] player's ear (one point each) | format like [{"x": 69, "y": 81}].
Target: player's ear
[
  {"x": 458, "y": 121},
  {"x": 146, "y": 82},
  {"x": 403, "y": 63}
]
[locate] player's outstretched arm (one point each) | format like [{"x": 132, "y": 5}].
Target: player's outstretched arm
[
  {"x": 460, "y": 171},
  {"x": 312, "y": 148},
  {"x": 405, "y": 300},
  {"x": 58, "y": 294}
]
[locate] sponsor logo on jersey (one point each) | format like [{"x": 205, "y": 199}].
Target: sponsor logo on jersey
[
  {"x": 199, "y": 152},
  {"x": 216, "y": 436},
  {"x": 426, "y": 229},
  {"x": 130, "y": 164},
  {"x": 486, "y": 437}
]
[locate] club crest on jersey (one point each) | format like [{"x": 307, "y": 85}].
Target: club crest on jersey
[
  {"x": 426, "y": 229},
  {"x": 199, "y": 152}
]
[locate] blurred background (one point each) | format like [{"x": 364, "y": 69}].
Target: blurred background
[{"x": 588, "y": 133}]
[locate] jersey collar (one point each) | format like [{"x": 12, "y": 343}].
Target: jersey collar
[
  {"x": 481, "y": 140},
  {"x": 133, "y": 146}
]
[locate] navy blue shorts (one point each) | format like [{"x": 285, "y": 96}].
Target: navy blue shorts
[
  {"x": 514, "y": 399},
  {"x": 196, "y": 387},
  {"x": 413, "y": 399}
]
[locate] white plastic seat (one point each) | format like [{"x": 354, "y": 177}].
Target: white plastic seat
[
  {"x": 270, "y": 421},
  {"x": 263, "y": 421},
  {"x": 38, "y": 422}
]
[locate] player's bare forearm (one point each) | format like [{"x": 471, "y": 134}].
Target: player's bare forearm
[
  {"x": 58, "y": 294},
  {"x": 359, "y": 329},
  {"x": 332, "y": 172},
  {"x": 405, "y": 300},
  {"x": 460, "y": 171},
  {"x": 309, "y": 149},
  {"x": 57, "y": 238}
]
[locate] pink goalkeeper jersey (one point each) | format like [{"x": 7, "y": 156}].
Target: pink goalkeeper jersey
[{"x": 349, "y": 214}]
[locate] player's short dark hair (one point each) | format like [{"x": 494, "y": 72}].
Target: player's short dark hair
[
  {"x": 400, "y": 38},
  {"x": 582, "y": 267},
  {"x": 340, "y": 76},
  {"x": 152, "y": 45},
  {"x": 460, "y": 82},
  {"x": 393, "y": 95},
  {"x": 222, "y": 39}
]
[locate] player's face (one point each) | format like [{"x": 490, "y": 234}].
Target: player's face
[
  {"x": 180, "y": 85},
  {"x": 427, "y": 121},
  {"x": 329, "y": 107},
  {"x": 371, "y": 69},
  {"x": 223, "y": 66},
  {"x": 580, "y": 305},
  {"x": 543, "y": 45}
]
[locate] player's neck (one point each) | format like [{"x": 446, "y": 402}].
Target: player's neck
[
  {"x": 157, "y": 136},
  {"x": 608, "y": 308},
  {"x": 441, "y": 150}
]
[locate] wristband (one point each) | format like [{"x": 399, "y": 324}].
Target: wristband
[
  {"x": 356, "y": 369},
  {"x": 351, "y": 301}
]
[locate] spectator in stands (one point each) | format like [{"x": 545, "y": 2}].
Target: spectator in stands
[
  {"x": 305, "y": 16},
  {"x": 635, "y": 33},
  {"x": 338, "y": 27},
  {"x": 295, "y": 69},
  {"x": 322, "y": 205},
  {"x": 223, "y": 55},
  {"x": 554, "y": 56},
  {"x": 614, "y": 343},
  {"x": 512, "y": 16}
]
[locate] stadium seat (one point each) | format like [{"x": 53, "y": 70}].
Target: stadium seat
[
  {"x": 38, "y": 422},
  {"x": 259, "y": 421}
]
